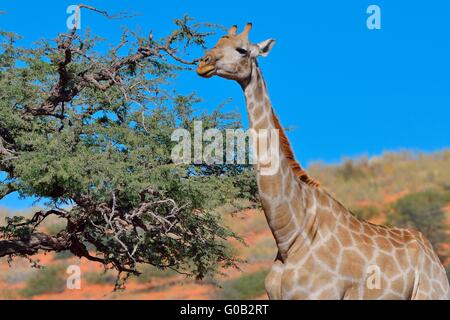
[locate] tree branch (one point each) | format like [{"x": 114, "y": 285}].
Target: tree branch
[
  {"x": 35, "y": 242},
  {"x": 103, "y": 12}
]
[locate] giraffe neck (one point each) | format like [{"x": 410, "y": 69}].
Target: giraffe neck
[
  {"x": 280, "y": 193},
  {"x": 259, "y": 107}
]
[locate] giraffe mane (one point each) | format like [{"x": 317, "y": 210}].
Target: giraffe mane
[{"x": 285, "y": 146}]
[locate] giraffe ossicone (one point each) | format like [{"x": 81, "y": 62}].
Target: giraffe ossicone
[{"x": 324, "y": 252}]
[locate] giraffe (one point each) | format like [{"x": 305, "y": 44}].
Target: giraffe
[{"x": 324, "y": 251}]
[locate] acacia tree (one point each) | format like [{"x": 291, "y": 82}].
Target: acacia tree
[{"x": 90, "y": 133}]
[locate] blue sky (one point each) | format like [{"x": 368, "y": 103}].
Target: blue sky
[{"x": 346, "y": 89}]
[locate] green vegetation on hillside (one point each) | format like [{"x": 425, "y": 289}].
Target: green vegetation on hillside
[
  {"x": 50, "y": 279},
  {"x": 423, "y": 211},
  {"x": 247, "y": 286},
  {"x": 369, "y": 180}
]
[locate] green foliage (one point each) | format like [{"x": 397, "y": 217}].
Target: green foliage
[
  {"x": 16, "y": 226},
  {"x": 423, "y": 211},
  {"x": 262, "y": 250},
  {"x": 100, "y": 278},
  {"x": 62, "y": 255},
  {"x": 247, "y": 286},
  {"x": 149, "y": 273},
  {"x": 46, "y": 280},
  {"x": 351, "y": 170}
]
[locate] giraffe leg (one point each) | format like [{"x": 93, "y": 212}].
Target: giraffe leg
[{"x": 273, "y": 281}]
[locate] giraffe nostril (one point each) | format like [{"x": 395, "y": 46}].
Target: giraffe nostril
[{"x": 207, "y": 59}]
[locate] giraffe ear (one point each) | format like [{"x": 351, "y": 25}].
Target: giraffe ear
[{"x": 265, "y": 47}]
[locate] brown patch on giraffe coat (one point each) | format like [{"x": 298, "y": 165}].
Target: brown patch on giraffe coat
[
  {"x": 412, "y": 250},
  {"x": 358, "y": 238},
  {"x": 321, "y": 198},
  {"x": 382, "y": 230},
  {"x": 257, "y": 114},
  {"x": 395, "y": 243},
  {"x": 308, "y": 200},
  {"x": 352, "y": 264},
  {"x": 345, "y": 236},
  {"x": 258, "y": 92},
  {"x": 367, "y": 240},
  {"x": 303, "y": 276},
  {"x": 392, "y": 268},
  {"x": 294, "y": 186},
  {"x": 407, "y": 236},
  {"x": 398, "y": 285},
  {"x": 367, "y": 250},
  {"x": 327, "y": 220},
  {"x": 425, "y": 284},
  {"x": 296, "y": 206},
  {"x": 355, "y": 224},
  {"x": 387, "y": 264},
  {"x": 319, "y": 278},
  {"x": 309, "y": 266},
  {"x": 383, "y": 242},
  {"x": 333, "y": 244},
  {"x": 299, "y": 295},
  {"x": 336, "y": 206},
  {"x": 323, "y": 254},
  {"x": 269, "y": 185},
  {"x": 281, "y": 211},
  {"x": 368, "y": 230},
  {"x": 263, "y": 122},
  {"x": 401, "y": 257},
  {"x": 287, "y": 279},
  {"x": 396, "y": 232},
  {"x": 284, "y": 222},
  {"x": 287, "y": 190}
]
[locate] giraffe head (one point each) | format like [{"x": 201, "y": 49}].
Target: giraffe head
[{"x": 232, "y": 56}]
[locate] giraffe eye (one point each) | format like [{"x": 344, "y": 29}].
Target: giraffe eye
[{"x": 241, "y": 50}]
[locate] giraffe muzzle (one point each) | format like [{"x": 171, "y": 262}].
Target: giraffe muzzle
[{"x": 206, "y": 67}]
